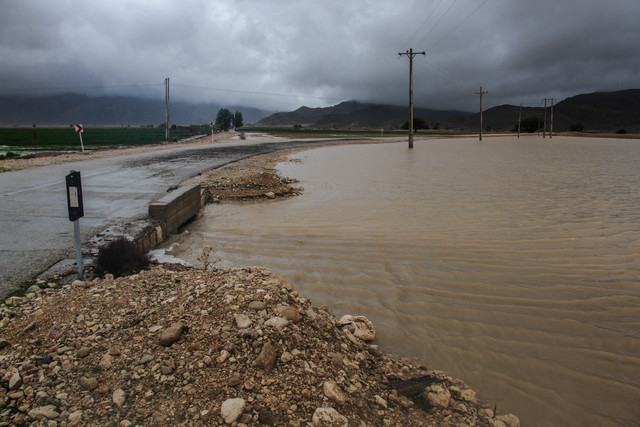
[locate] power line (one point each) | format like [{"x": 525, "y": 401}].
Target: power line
[
  {"x": 459, "y": 24},
  {"x": 288, "y": 95},
  {"x": 439, "y": 20},
  {"x": 62, "y": 88},
  {"x": 423, "y": 22}
]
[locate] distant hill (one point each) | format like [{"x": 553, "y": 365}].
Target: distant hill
[
  {"x": 355, "y": 115},
  {"x": 600, "y": 111},
  {"x": 62, "y": 110}
]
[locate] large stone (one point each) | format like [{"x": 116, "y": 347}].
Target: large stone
[
  {"x": 44, "y": 412},
  {"x": 328, "y": 417},
  {"x": 242, "y": 321},
  {"x": 15, "y": 381},
  {"x": 333, "y": 392},
  {"x": 509, "y": 420},
  {"x": 289, "y": 313},
  {"x": 118, "y": 397},
  {"x": 276, "y": 322},
  {"x": 267, "y": 357},
  {"x": 75, "y": 418},
  {"x": 88, "y": 383},
  {"x": 231, "y": 409},
  {"x": 171, "y": 334},
  {"x": 437, "y": 396},
  {"x": 359, "y": 326}
]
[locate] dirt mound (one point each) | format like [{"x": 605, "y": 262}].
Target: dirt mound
[
  {"x": 195, "y": 347},
  {"x": 261, "y": 185}
]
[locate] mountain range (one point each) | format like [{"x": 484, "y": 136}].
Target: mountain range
[
  {"x": 64, "y": 109},
  {"x": 600, "y": 111}
]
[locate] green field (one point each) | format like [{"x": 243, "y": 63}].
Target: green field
[
  {"x": 47, "y": 139},
  {"x": 290, "y": 132}
]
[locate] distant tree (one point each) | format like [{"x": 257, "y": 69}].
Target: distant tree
[
  {"x": 529, "y": 125},
  {"x": 576, "y": 127},
  {"x": 418, "y": 123},
  {"x": 223, "y": 119},
  {"x": 621, "y": 131},
  {"x": 238, "y": 121},
  {"x": 436, "y": 126}
]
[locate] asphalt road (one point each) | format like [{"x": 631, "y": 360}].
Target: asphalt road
[{"x": 35, "y": 231}]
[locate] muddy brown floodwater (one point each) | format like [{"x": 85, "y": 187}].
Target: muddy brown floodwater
[{"x": 512, "y": 264}]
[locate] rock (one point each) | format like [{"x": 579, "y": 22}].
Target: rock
[
  {"x": 242, "y": 321},
  {"x": 224, "y": 355},
  {"x": 509, "y": 420},
  {"x": 257, "y": 305},
  {"x": 289, "y": 313},
  {"x": 83, "y": 352},
  {"x": 286, "y": 357},
  {"x": 33, "y": 289},
  {"x": 437, "y": 396},
  {"x": 106, "y": 362},
  {"x": 145, "y": 359},
  {"x": 75, "y": 418},
  {"x": 42, "y": 412},
  {"x": 4, "y": 343},
  {"x": 171, "y": 334},
  {"x": 267, "y": 357},
  {"x": 31, "y": 326},
  {"x": 333, "y": 392},
  {"x": 15, "y": 381},
  {"x": 380, "y": 401},
  {"x": 266, "y": 417},
  {"x": 88, "y": 383},
  {"x": 328, "y": 417},
  {"x": 270, "y": 195},
  {"x": 118, "y": 397},
  {"x": 276, "y": 322},
  {"x": 359, "y": 326},
  {"x": 231, "y": 409}
]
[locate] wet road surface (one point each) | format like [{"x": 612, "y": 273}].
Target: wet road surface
[{"x": 35, "y": 231}]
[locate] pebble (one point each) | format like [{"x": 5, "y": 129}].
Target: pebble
[
  {"x": 277, "y": 322},
  {"x": 231, "y": 409},
  {"x": 83, "y": 352},
  {"x": 88, "y": 383},
  {"x": 328, "y": 417},
  {"x": 171, "y": 334},
  {"x": 333, "y": 392},
  {"x": 43, "y": 412},
  {"x": 118, "y": 397},
  {"x": 242, "y": 321},
  {"x": 267, "y": 357}
]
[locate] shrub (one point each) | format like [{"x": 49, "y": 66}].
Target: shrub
[
  {"x": 621, "y": 131},
  {"x": 121, "y": 257},
  {"x": 576, "y": 127}
]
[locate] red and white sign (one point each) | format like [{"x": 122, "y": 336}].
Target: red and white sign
[
  {"x": 212, "y": 124},
  {"x": 79, "y": 128}
]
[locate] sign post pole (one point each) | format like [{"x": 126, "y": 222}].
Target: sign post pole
[
  {"x": 75, "y": 207},
  {"x": 212, "y": 125},
  {"x": 79, "y": 130}
]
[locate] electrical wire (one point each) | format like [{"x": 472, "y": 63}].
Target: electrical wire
[
  {"x": 438, "y": 22},
  {"x": 423, "y": 22},
  {"x": 459, "y": 24}
]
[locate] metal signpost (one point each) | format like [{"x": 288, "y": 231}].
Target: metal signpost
[
  {"x": 212, "y": 126},
  {"x": 76, "y": 211},
  {"x": 79, "y": 130}
]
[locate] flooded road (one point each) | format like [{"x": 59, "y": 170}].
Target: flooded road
[{"x": 512, "y": 264}]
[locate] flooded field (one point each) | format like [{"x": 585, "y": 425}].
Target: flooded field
[{"x": 513, "y": 264}]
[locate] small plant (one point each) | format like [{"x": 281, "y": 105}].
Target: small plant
[
  {"x": 205, "y": 258},
  {"x": 121, "y": 257}
]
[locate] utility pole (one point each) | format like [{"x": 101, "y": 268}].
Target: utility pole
[
  {"x": 519, "y": 119},
  {"x": 544, "y": 130},
  {"x": 481, "y": 93},
  {"x": 166, "y": 107},
  {"x": 410, "y": 54},
  {"x": 551, "y": 129}
]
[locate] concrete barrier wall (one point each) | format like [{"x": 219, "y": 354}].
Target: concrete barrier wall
[{"x": 176, "y": 208}]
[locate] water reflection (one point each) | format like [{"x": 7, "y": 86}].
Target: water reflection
[{"x": 512, "y": 264}]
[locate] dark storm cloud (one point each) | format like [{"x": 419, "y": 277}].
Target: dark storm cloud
[{"x": 280, "y": 55}]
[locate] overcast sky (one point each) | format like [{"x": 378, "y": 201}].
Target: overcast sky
[{"x": 282, "y": 54}]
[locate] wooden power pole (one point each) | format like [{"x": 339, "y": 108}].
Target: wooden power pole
[
  {"x": 481, "y": 93},
  {"x": 410, "y": 54},
  {"x": 519, "y": 119},
  {"x": 544, "y": 129},
  {"x": 166, "y": 108}
]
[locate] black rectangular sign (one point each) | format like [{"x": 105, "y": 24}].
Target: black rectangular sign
[{"x": 74, "y": 196}]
